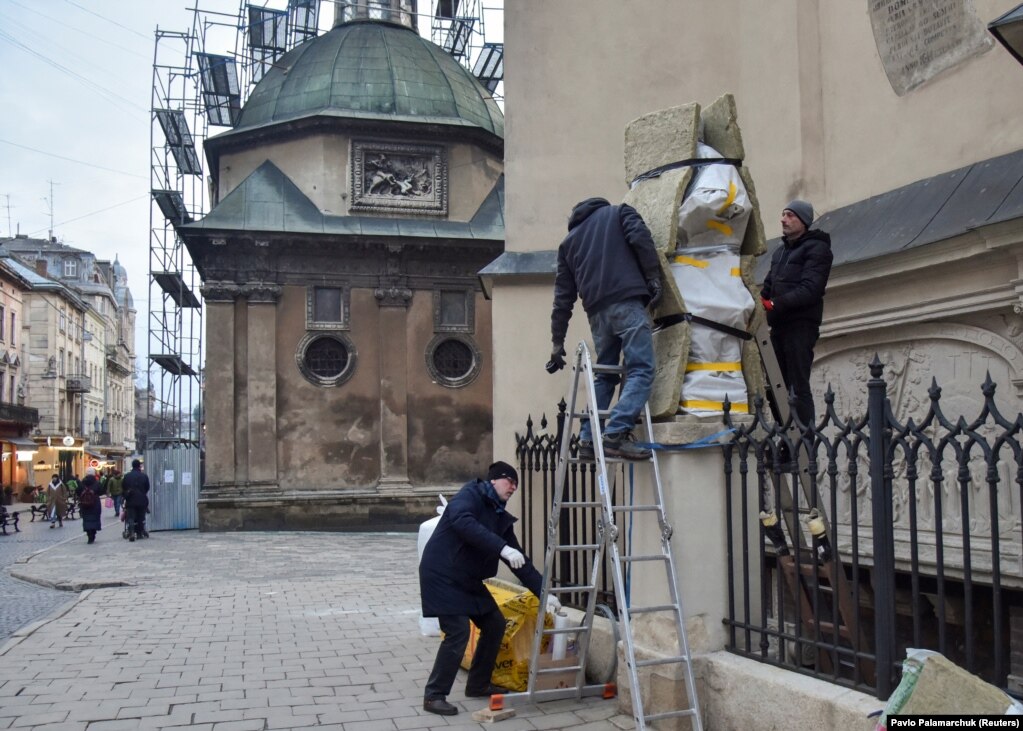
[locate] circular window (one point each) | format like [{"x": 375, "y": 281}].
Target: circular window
[
  {"x": 453, "y": 360},
  {"x": 326, "y": 360}
]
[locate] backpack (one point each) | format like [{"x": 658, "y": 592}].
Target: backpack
[{"x": 88, "y": 499}]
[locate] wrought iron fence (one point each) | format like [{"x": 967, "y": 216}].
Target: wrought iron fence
[
  {"x": 922, "y": 524},
  {"x": 917, "y": 539}
]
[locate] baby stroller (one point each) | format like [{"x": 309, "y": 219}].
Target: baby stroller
[{"x": 129, "y": 531}]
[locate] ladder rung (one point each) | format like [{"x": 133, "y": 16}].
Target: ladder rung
[
  {"x": 650, "y": 557},
  {"x": 583, "y": 504},
  {"x": 661, "y": 661},
  {"x": 569, "y": 589},
  {"x": 657, "y": 608},
  {"x": 566, "y": 630},
  {"x": 579, "y": 547},
  {"x": 670, "y": 714},
  {"x": 634, "y": 508},
  {"x": 597, "y": 368},
  {"x": 550, "y": 671}
]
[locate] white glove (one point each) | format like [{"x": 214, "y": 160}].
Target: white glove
[
  {"x": 514, "y": 558},
  {"x": 553, "y": 605}
]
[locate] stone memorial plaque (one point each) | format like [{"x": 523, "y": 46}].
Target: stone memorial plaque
[{"x": 918, "y": 39}]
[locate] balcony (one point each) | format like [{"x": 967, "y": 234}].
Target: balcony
[
  {"x": 78, "y": 383},
  {"x": 100, "y": 439},
  {"x": 118, "y": 360},
  {"x": 21, "y": 415}
]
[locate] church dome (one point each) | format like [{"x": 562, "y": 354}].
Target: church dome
[{"x": 371, "y": 70}]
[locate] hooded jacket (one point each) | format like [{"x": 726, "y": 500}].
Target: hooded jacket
[
  {"x": 464, "y": 550},
  {"x": 607, "y": 257},
  {"x": 798, "y": 277}
]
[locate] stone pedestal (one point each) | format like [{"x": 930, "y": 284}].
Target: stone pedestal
[{"x": 696, "y": 503}]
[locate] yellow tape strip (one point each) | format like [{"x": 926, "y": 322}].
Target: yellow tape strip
[
  {"x": 732, "y": 191},
  {"x": 722, "y": 366},
  {"x": 714, "y": 405},
  {"x": 722, "y": 228},
  {"x": 735, "y": 272},
  {"x": 691, "y": 262}
]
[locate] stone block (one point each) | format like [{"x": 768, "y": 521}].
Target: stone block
[
  {"x": 754, "y": 243},
  {"x": 721, "y": 128},
  {"x": 663, "y": 688},
  {"x": 488, "y": 716},
  {"x": 671, "y": 351},
  {"x": 945, "y": 688},
  {"x": 657, "y": 200},
  {"x": 660, "y": 138},
  {"x": 672, "y": 302}
]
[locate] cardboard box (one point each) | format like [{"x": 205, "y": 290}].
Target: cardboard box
[{"x": 553, "y": 681}]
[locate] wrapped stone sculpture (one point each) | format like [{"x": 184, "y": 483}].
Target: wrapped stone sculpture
[{"x": 663, "y": 153}]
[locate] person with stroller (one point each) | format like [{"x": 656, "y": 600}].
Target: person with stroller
[{"x": 136, "y": 500}]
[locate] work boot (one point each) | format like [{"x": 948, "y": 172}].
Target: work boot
[
  {"x": 485, "y": 692},
  {"x": 439, "y": 706},
  {"x": 623, "y": 446},
  {"x": 585, "y": 449}
]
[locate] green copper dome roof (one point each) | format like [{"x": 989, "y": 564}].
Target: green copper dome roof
[{"x": 371, "y": 70}]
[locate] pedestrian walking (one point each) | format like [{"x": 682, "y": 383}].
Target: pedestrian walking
[
  {"x": 115, "y": 490},
  {"x": 56, "y": 501},
  {"x": 89, "y": 505}
]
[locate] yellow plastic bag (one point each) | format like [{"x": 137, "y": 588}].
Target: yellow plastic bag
[{"x": 519, "y": 607}]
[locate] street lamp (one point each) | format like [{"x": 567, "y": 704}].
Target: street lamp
[{"x": 1008, "y": 29}]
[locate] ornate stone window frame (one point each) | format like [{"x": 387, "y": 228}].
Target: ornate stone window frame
[
  {"x": 469, "y": 376},
  {"x": 318, "y": 380},
  {"x": 367, "y": 199},
  {"x": 469, "y": 326},
  {"x": 310, "y": 308}
]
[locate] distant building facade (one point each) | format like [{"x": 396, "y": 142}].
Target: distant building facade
[
  {"x": 17, "y": 420},
  {"x": 80, "y": 323}
]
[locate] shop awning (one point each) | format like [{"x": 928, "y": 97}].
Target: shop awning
[
  {"x": 93, "y": 452},
  {"x": 22, "y": 442}
]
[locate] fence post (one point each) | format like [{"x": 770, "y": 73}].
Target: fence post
[{"x": 884, "y": 548}]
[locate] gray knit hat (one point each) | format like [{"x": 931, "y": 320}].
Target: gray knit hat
[{"x": 803, "y": 211}]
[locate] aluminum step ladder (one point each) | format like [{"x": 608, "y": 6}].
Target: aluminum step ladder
[{"x": 605, "y": 516}]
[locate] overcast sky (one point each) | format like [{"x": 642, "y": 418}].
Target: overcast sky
[{"x": 75, "y": 143}]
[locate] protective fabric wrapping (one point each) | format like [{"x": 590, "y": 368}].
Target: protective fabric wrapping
[
  {"x": 716, "y": 208},
  {"x": 710, "y": 281}
]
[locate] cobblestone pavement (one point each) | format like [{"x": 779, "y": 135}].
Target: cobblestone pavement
[
  {"x": 238, "y": 631},
  {"x": 22, "y": 602}
]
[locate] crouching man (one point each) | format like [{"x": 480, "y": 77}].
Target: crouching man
[{"x": 473, "y": 533}]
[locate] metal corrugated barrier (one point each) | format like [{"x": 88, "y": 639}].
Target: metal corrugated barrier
[{"x": 174, "y": 481}]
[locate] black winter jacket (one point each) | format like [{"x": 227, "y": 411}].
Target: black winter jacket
[
  {"x": 799, "y": 274},
  {"x": 464, "y": 550},
  {"x": 607, "y": 257},
  {"x": 136, "y": 489}
]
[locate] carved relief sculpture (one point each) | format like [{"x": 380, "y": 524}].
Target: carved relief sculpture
[{"x": 399, "y": 178}]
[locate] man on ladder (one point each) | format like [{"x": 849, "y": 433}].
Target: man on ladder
[{"x": 609, "y": 260}]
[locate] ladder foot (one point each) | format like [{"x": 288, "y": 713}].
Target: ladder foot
[
  {"x": 496, "y": 702},
  {"x": 610, "y": 691}
]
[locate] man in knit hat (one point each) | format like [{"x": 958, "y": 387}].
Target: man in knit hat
[
  {"x": 474, "y": 532},
  {"x": 793, "y": 295}
]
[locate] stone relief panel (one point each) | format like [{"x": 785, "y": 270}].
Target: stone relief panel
[
  {"x": 959, "y": 358},
  {"x": 391, "y": 177}
]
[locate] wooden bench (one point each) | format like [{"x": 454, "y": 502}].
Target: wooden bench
[{"x": 7, "y": 518}]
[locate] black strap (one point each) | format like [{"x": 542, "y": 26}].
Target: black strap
[
  {"x": 691, "y": 162},
  {"x": 663, "y": 322}
]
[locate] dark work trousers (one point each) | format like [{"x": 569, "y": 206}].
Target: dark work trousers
[
  {"x": 793, "y": 344},
  {"x": 136, "y": 520},
  {"x": 456, "y": 636}
]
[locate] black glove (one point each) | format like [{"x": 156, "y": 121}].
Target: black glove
[
  {"x": 653, "y": 286},
  {"x": 557, "y": 361}
]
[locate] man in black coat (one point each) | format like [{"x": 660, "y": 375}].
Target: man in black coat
[
  {"x": 136, "y": 500},
  {"x": 609, "y": 261},
  {"x": 793, "y": 295},
  {"x": 474, "y": 532}
]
